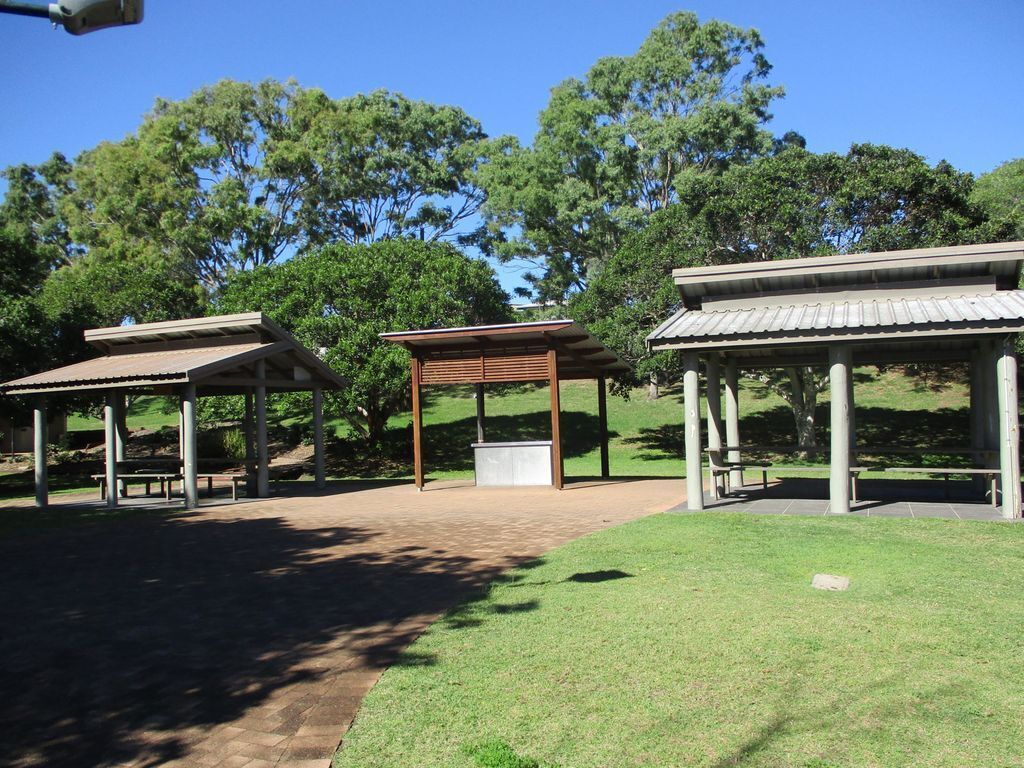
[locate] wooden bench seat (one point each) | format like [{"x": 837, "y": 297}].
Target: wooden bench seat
[
  {"x": 992, "y": 474},
  {"x": 166, "y": 479},
  {"x": 719, "y": 468},
  {"x": 234, "y": 477}
]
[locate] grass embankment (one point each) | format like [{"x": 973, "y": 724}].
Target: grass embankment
[
  {"x": 646, "y": 435},
  {"x": 698, "y": 641}
]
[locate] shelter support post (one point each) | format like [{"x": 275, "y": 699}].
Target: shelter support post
[
  {"x": 977, "y": 415},
  {"x": 852, "y": 403},
  {"x": 602, "y": 419},
  {"x": 250, "y": 447},
  {"x": 714, "y": 396},
  {"x": 417, "y": 420},
  {"x": 181, "y": 433},
  {"x": 189, "y": 460},
  {"x": 839, "y": 473},
  {"x": 557, "y": 465},
  {"x": 110, "y": 435},
  {"x": 318, "y": 437},
  {"x": 121, "y": 442},
  {"x": 691, "y": 406},
  {"x": 40, "y": 440},
  {"x": 990, "y": 399},
  {"x": 1009, "y": 433},
  {"x": 262, "y": 450},
  {"x": 481, "y": 432},
  {"x": 732, "y": 419}
]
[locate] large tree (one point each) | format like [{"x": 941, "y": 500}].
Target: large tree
[
  {"x": 792, "y": 204},
  {"x": 339, "y": 298},
  {"x": 1000, "y": 193},
  {"x": 236, "y": 176},
  {"x": 25, "y": 335},
  {"x": 240, "y": 174},
  {"x": 615, "y": 146}
]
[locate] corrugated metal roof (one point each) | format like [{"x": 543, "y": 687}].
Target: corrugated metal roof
[
  {"x": 824, "y": 318},
  {"x": 186, "y": 350},
  {"x": 172, "y": 365}
]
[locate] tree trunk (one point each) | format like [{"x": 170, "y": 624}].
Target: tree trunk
[
  {"x": 654, "y": 387},
  {"x": 803, "y": 400}
]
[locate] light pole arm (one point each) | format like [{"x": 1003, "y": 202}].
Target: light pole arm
[
  {"x": 24, "y": 9},
  {"x": 80, "y": 16}
]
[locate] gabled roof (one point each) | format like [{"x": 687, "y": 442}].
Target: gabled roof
[
  {"x": 850, "y": 319},
  {"x": 213, "y": 352},
  {"x": 579, "y": 354},
  {"x": 998, "y": 261},
  {"x": 903, "y": 306}
]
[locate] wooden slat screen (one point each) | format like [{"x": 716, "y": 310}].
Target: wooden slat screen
[{"x": 492, "y": 366}]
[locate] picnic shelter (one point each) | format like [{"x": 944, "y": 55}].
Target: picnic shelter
[
  {"x": 545, "y": 350},
  {"x": 936, "y": 305},
  {"x": 243, "y": 354}
]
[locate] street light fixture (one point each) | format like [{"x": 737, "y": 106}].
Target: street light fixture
[{"x": 81, "y": 16}]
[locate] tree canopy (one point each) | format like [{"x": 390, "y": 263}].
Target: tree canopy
[
  {"x": 616, "y": 146},
  {"x": 338, "y": 300},
  {"x": 791, "y": 204},
  {"x": 1001, "y": 194},
  {"x": 236, "y": 176}
]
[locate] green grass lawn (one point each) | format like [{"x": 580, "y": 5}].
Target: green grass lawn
[
  {"x": 697, "y": 640},
  {"x": 647, "y": 435},
  {"x": 144, "y": 413}
]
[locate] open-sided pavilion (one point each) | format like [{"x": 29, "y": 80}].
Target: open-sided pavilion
[
  {"x": 225, "y": 355},
  {"x": 957, "y": 304},
  {"x": 546, "y": 350}
]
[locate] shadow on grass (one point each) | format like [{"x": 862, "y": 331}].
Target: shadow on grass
[
  {"x": 596, "y": 577},
  {"x": 788, "y": 720},
  {"x": 876, "y": 428},
  {"x": 475, "y": 610},
  {"x": 61, "y": 477},
  {"x": 128, "y": 634}
]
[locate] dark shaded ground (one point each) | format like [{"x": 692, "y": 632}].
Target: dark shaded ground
[
  {"x": 163, "y": 623},
  {"x": 148, "y": 638}
]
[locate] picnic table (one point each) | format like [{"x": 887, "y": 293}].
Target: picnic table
[
  {"x": 719, "y": 468},
  {"x": 166, "y": 479},
  {"x": 148, "y": 471},
  {"x": 990, "y": 473}
]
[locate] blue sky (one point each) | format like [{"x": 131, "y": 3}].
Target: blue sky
[{"x": 943, "y": 78}]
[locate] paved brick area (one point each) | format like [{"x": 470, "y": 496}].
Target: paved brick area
[{"x": 247, "y": 634}]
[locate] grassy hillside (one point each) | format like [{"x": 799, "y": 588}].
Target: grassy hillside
[{"x": 646, "y": 435}]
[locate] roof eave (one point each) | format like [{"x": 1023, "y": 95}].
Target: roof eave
[{"x": 835, "y": 335}]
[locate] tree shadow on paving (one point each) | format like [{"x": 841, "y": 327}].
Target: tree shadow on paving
[{"x": 118, "y": 636}]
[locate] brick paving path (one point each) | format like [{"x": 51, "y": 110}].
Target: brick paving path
[{"x": 247, "y": 634}]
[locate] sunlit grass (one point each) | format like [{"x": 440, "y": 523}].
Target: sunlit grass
[{"x": 698, "y": 641}]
